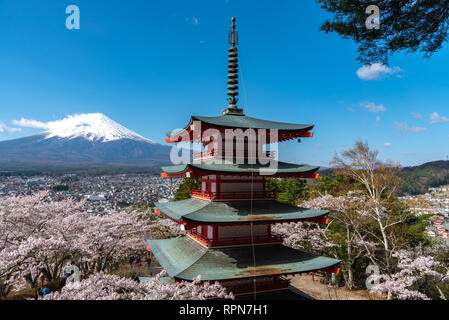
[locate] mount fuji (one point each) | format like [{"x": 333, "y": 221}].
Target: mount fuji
[{"x": 84, "y": 141}]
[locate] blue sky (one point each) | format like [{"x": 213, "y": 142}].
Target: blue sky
[{"x": 149, "y": 65}]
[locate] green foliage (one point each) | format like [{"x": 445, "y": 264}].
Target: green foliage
[
  {"x": 333, "y": 184},
  {"x": 415, "y": 230},
  {"x": 123, "y": 204},
  {"x": 187, "y": 185},
  {"x": 289, "y": 191},
  {"x": 406, "y": 25},
  {"x": 411, "y": 232}
]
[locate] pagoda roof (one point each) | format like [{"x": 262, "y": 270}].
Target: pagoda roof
[
  {"x": 200, "y": 211},
  {"x": 244, "y": 122},
  {"x": 184, "y": 259},
  {"x": 223, "y": 166}
]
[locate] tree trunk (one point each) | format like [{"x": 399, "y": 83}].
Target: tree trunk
[
  {"x": 350, "y": 281},
  {"x": 386, "y": 247}
]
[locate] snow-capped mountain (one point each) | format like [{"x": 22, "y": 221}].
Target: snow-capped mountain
[
  {"x": 91, "y": 126},
  {"x": 85, "y": 140}
]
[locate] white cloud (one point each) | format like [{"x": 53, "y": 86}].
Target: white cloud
[
  {"x": 404, "y": 127},
  {"x": 436, "y": 118},
  {"x": 372, "y": 107},
  {"x": 387, "y": 144},
  {"x": 5, "y": 129},
  {"x": 31, "y": 124},
  {"x": 376, "y": 71},
  {"x": 416, "y": 115}
]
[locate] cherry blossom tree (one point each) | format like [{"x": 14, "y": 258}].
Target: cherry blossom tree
[
  {"x": 378, "y": 182},
  {"x": 104, "y": 239},
  {"x": 101, "y": 286},
  {"x": 34, "y": 236},
  {"x": 304, "y": 236},
  {"x": 40, "y": 236},
  {"x": 348, "y": 211},
  {"x": 163, "y": 228},
  {"x": 416, "y": 269}
]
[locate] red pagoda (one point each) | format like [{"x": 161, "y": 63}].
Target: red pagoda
[{"x": 228, "y": 221}]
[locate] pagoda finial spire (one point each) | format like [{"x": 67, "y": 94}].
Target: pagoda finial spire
[{"x": 233, "y": 74}]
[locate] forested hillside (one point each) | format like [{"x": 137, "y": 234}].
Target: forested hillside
[{"x": 418, "y": 179}]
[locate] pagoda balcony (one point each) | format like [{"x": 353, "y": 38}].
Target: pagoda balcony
[
  {"x": 199, "y": 238},
  {"x": 234, "y": 241},
  {"x": 208, "y": 155},
  {"x": 230, "y": 196}
]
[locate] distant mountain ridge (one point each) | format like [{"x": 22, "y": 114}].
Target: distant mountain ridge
[
  {"x": 417, "y": 179},
  {"x": 88, "y": 140},
  {"x": 420, "y": 178}
]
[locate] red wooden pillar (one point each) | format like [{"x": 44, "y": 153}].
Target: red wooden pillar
[{"x": 218, "y": 186}]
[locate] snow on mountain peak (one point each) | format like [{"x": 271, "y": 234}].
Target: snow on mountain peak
[{"x": 91, "y": 126}]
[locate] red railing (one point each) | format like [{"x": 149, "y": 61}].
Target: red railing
[
  {"x": 234, "y": 241},
  {"x": 202, "y": 155},
  {"x": 194, "y": 235},
  {"x": 201, "y": 194},
  {"x": 233, "y": 195}
]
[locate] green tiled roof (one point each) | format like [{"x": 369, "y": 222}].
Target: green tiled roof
[
  {"x": 235, "y": 211},
  {"x": 244, "y": 122},
  {"x": 184, "y": 259},
  {"x": 229, "y": 167}
]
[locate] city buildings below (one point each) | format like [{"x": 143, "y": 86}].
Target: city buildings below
[
  {"x": 102, "y": 193},
  {"x": 434, "y": 203}
]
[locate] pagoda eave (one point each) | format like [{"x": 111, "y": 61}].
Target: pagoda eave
[
  {"x": 204, "y": 169},
  {"x": 189, "y": 224},
  {"x": 285, "y": 131},
  {"x": 184, "y": 259},
  {"x": 199, "y": 173},
  {"x": 198, "y": 212}
]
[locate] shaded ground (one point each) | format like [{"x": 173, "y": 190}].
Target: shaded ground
[
  {"x": 289, "y": 294},
  {"x": 317, "y": 290}
]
